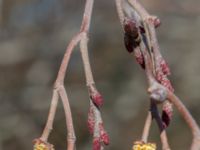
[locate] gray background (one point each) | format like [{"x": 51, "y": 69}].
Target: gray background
[{"x": 33, "y": 38}]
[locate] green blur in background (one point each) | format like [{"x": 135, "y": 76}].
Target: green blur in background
[{"x": 33, "y": 38}]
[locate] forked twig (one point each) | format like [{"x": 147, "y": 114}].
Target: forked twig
[
  {"x": 154, "y": 112},
  {"x": 149, "y": 68},
  {"x": 140, "y": 36},
  {"x": 156, "y": 69},
  {"x": 178, "y": 104},
  {"x": 59, "y": 89}
]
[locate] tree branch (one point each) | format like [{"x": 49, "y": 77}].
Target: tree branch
[
  {"x": 120, "y": 11},
  {"x": 59, "y": 88},
  {"x": 150, "y": 22},
  {"x": 96, "y": 125},
  {"x": 188, "y": 118},
  {"x": 51, "y": 116},
  {"x": 147, "y": 126}
]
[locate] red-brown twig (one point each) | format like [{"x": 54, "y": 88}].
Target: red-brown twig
[
  {"x": 147, "y": 126},
  {"x": 156, "y": 93},
  {"x": 120, "y": 11},
  {"x": 99, "y": 134},
  {"x": 149, "y": 68},
  {"x": 149, "y": 25},
  {"x": 148, "y": 48},
  {"x": 59, "y": 89},
  {"x": 59, "y": 84},
  {"x": 188, "y": 118},
  {"x": 49, "y": 123}
]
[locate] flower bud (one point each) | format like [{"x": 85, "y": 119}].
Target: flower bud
[{"x": 96, "y": 144}]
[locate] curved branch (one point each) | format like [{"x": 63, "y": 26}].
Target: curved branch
[
  {"x": 59, "y": 83},
  {"x": 188, "y": 118}
]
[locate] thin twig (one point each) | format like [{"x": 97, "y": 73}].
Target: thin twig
[
  {"x": 59, "y": 83},
  {"x": 86, "y": 63},
  {"x": 139, "y": 8},
  {"x": 170, "y": 95},
  {"x": 149, "y": 67},
  {"x": 92, "y": 90},
  {"x": 70, "y": 128},
  {"x": 147, "y": 126},
  {"x": 188, "y": 118},
  {"x": 62, "y": 71},
  {"x": 51, "y": 116},
  {"x": 120, "y": 11},
  {"x": 163, "y": 134},
  {"x": 150, "y": 77},
  {"x": 144, "y": 15},
  {"x": 58, "y": 89},
  {"x": 90, "y": 83}
]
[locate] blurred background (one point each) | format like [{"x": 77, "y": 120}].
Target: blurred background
[{"x": 33, "y": 38}]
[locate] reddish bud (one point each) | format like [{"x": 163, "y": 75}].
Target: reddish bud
[
  {"x": 166, "y": 82},
  {"x": 96, "y": 144},
  {"x": 165, "y": 68},
  {"x": 162, "y": 79},
  {"x": 97, "y": 99},
  {"x": 128, "y": 42},
  {"x": 90, "y": 126},
  {"x": 91, "y": 121},
  {"x": 159, "y": 75},
  {"x": 167, "y": 114},
  {"x": 157, "y": 22},
  {"x": 131, "y": 35},
  {"x": 130, "y": 27},
  {"x": 105, "y": 138},
  {"x": 142, "y": 30},
  {"x": 103, "y": 134},
  {"x": 139, "y": 58}
]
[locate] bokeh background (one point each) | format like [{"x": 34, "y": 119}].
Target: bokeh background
[{"x": 33, "y": 38}]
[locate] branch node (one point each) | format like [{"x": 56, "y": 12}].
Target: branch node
[
  {"x": 157, "y": 92},
  {"x": 154, "y": 20}
]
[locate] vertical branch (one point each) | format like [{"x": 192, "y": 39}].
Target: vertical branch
[
  {"x": 99, "y": 133},
  {"x": 154, "y": 114},
  {"x": 86, "y": 63},
  {"x": 70, "y": 128},
  {"x": 150, "y": 68},
  {"x": 75, "y": 40},
  {"x": 151, "y": 22},
  {"x": 120, "y": 11},
  {"x": 147, "y": 126},
  {"x": 163, "y": 134},
  {"x": 51, "y": 116},
  {"x": 164, "y": 140},
  {"x": 59, "y": 88},
  {"x": 87, "y": 16}
]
